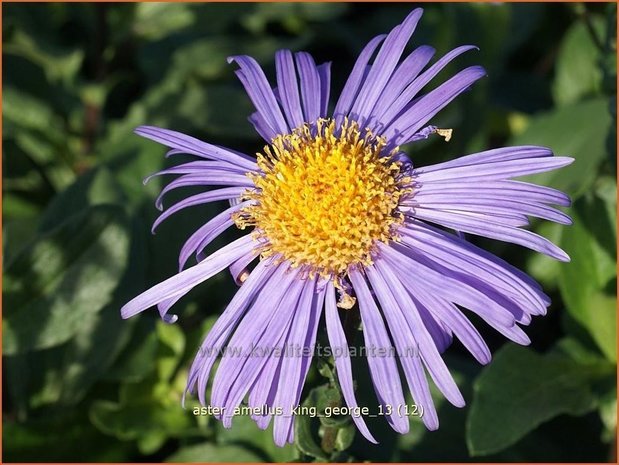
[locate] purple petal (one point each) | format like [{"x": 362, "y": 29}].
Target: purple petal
[
  {"x": 309, "y": 80},
  {"x": 383, "y": 369},
  {"x": 407, "y": 346},
  {"x": 454, "y": 319},
  {"x": 262, "y": 329},
  {"x": 509, "y": 219},
  {"x": 440, "y": 334},
  {"x": 492, "y": 156},
  {"x": 449, "y": 288},
  {"x": 492, "y": 228},
  {"x": 288, "y": 88},
  {"x": 357, "y": 75},
  {"x": 405, "y": 73},
  {"x": 193, "y": 146},
  {"x": 259, "y": 91},
  {"x": 457, "y": 292},
  {"x": 496, "y": 189},
  {"x": 165, "y": 306},
  {"x": 502, "y": 205},
  {"x": 240, "y": 349},
  {"x": 310, "y": 340},
  {"x": 203, "y": 236},
  {"x": 324, "y": 71},
  {"x": 239, "y": 269},
  {"x": 383, "y": 66},
  {"x": 492, "y": 171},
  {"x": 395, "y": 300},
  {"x": 198, "y": 167},
  {"x": 268, "y": 395},
  {"x": 199, "y": 199},
  {"x": 458, "y": 254},
  {"x": 292, "y": 370},
  {"x": 186, "y": 280},
  {"x": 505, "y": 300},
  {"x": 204, "y": 179},
  {"x": 403, "y": 128},
  {"x": 226, "y": 323},
  {"x": 262, "y": 127},
  {"x": 415, "y": 87},
  {"x": 264, "y": 390},
  {"x": 339, "y": 347}
]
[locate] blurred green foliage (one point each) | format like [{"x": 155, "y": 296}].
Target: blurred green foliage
[{"x": 80, "y": 384}]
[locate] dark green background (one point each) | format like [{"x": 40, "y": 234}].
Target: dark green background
[{"x": 80, "y": 384}]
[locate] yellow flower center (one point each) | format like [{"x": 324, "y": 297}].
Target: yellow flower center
[{"x": 324, "y": 196}]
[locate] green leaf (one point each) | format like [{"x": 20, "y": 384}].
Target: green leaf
[
  {"x": 148, "y": 412},
  {"x": 71, "y": 369},
  {"x": 304, "y": 436},
  {"x": 546, "y": 270},
  {"x": 95, "y": 187},
  {"x": 61, "y": 376},
  {"x": 54, "y": 438},
  {"x": 577, "y": 72},
  {"x": 138, "y": 358},
  {"x": 608, "y": 414},
  {"x": 520, "y": 390},
  {"x": 172, "y": 344},
  {"x": 19, "y": 231},
  {"x": 245, "y": 432},
  {"x": 292, "y": 16},
  {"x": 586, "y": 283},
  {"x": 345, "y": 437},
  {"x": 447, "y": 444},
  {"x": 204, "y": 453},
  {"x": 329, "y": 398},
  {"x": 574, "y": 349},
  {"x": 26, "y": 111},
  {"x": 54, "y": 285},
  {"x": 155, "y": 21},
  {"x": 587, "y": 124},
  {"x": 58, "y": 64}
]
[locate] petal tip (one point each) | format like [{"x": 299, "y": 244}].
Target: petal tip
[{"x": 127, "y": 312}]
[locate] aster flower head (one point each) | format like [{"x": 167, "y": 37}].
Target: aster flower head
[{"x": 338, "y": 219}]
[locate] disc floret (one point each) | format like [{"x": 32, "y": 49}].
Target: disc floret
[{"x": 324, "y": 196}]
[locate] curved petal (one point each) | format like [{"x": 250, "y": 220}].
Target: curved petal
[
  {"x": 193, "y": 146},
  {"x": 288, "y": 87},
  {"x": 405, "y": 126},
  {"x": 407, "y": 346},
  {"x": 383, "y": 369},
  {"x": 259, "y": 91},
  {"x": 200, "y": 199},
  {"x": 204, "y": 179},
  {"x": 186, "y": 280},
  {"x": 405, "y": 73},
  {"x": 198, "y": 167},
  {"x": 355, "y": 79},
  {"x": 224, "y": 326},
  {"x": 393, "y": 110},
  {"x": 203, "y": 236},
  {"x": 383, "y": 67},
  {"x": 309, "y": 80},
  {"x": 257, "y": 336},
  {"x": 292, "y": 375},
  {"x": 395, "y": 299},
  {"x": 339, "y": 348}
]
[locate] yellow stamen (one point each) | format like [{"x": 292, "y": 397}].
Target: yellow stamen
[{"x": 324, "y": 197}]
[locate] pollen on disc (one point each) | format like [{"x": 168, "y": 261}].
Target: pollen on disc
[{"x": 324, "y": 196}]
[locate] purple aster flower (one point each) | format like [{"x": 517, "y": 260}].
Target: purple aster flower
[{"x": 338, "y": 216}]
